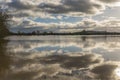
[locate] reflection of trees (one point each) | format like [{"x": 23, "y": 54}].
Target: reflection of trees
[
  {"x": 83, "y": 38},
  {"x": 4, "y": 58}
]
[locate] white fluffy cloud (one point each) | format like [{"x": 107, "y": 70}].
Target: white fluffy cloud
[
  {"x": 88, "y": 24},
  {"x": 21, "y": 10}
]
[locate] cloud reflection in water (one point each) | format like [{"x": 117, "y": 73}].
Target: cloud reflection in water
[{"x": 64, "y": 57}]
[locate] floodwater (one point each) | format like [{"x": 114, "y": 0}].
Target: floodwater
[{"x": 60, "y": 58}]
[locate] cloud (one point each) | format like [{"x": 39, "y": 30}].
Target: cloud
[
  {"x": 106, "y": 71},
  {"x": 88, "y": 24},
  {"x": 76, "y": 7},
  {"x": 22, "y": 10},
  {"x": 19, "y": 4},
  {"x": 50, "y": 66},
  {"x": 31, "y": 65},
  {"x": 110, "y": 24},
  {"x": 109, "y": 1},
  {"x": 28, "y": 8},
  {"x": 73, "y": 6},
  {"x": 66, "y": 7},
  {"x": 72, "y": 62}
]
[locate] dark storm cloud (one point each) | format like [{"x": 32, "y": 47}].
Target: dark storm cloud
[
  {"x": 18, "y": 4},
  {"x": 70, "y": 6}
]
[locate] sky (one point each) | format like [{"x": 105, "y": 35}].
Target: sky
[{"x": 63, "y": 15}]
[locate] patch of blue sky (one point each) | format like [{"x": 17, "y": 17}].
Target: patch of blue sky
[
  {"x": 109, "y": 12},
  {"x": 63, "y": 19}
]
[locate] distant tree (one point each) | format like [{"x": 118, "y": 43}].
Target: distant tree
[
  {"x": 44, "y": 32},
  {"x": 19, "y": 32},
  {"x": 3, "y": 24},
  {"x": 51, "y": 32},
  {"x": 83, "y": 31},
  {"x": 33, "y": 33},
  {"x": 37, "y": 32}
]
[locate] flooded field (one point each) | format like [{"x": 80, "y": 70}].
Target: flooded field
[{"x": 60, "y": 58}]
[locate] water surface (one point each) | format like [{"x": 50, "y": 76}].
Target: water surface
[{"x": 60, "y": 58}]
